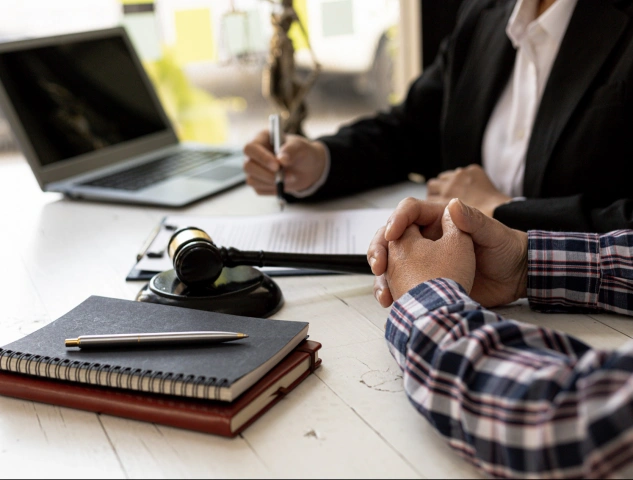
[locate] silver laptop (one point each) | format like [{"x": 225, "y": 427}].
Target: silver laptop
[{"x": 90, "y": 124}]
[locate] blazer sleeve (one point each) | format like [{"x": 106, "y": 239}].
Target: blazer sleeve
[
  {"x": 577, "y": 213},
  {"x": 385, "y": 148}
]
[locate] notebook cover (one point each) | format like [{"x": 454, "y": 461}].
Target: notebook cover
[
  {"x": 203, "y": 371},
  {"x": 192, "y": 414}
]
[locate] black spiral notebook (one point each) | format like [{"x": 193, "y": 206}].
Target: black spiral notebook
[{"x": 216, "y": 372}]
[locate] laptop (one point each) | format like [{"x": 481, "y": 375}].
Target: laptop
[{"x": 90, "y": 124}]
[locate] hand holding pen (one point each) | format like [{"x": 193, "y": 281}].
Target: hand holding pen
[
  {"x": 275, "y": 141},
  {"x": 303, "y": 162}
]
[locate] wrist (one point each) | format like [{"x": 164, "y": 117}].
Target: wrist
[
  {"x": 495, "y": 202},
  {"x": 323, "y": 157},
  {"x": 323, "y": 154},
  {"x": 521, "y": 289}
]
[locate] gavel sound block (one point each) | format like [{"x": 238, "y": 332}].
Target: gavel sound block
[{"x": 208, "y": 277}]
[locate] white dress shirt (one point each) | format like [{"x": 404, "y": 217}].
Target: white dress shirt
[{"x": 507, "y": 134}]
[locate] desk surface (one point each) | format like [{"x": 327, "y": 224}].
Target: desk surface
[{"x": 350, "y": 419}]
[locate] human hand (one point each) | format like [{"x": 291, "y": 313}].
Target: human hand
[
  {"x": 410, "y": 211},
  {"x": 303, "y": 162},
  {"x": 470, "y": 184},
  {"x": 501, "y": 252},
  {"x": 414, "y": 259}
]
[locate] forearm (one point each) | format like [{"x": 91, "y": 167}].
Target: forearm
[
  {"x": 584, "y": 271},
  {"x": 513, "y": 398},
  {"x": 359, "y": 165}
]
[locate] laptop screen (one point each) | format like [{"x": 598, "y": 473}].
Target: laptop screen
[{"x": 79, "y": 96}]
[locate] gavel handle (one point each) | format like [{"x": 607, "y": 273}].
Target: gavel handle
[{"x": 344, "y": 263}]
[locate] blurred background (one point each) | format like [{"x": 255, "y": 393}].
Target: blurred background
[{"x": 206, "y": 57}]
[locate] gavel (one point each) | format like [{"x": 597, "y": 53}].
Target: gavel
[{"x": 198, "y": 261}]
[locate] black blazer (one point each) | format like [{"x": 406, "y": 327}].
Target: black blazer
[{"x": 579, "y": 163}]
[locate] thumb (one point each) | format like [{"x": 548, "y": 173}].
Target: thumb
[
  {"x": 448, "y": 225},
  {"x": 458, "y": 253},
  {"x": 484, "y": 230},
  {"x": 451, "y": 235}
]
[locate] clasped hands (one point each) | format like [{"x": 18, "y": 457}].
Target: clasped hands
[{"x": 424, "y": 240}]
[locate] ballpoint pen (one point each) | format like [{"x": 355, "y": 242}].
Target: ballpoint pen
[
  {"x": 148, "y": 243},
  {"x": 275, "y": 141},
  {"x": 147, "y": 339}
]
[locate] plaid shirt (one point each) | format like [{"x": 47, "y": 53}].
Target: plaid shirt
[{"x": 519, "y": 400}]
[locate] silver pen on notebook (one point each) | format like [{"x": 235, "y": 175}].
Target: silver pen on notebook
[
  {"x": 147, "y": 339},
  {"x": 275, "y": 140}
]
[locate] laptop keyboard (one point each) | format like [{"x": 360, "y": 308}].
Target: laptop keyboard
[{"x": 141, "y": 176}]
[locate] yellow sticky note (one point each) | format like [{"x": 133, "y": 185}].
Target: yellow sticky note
[{"x": 194, "y": 36}]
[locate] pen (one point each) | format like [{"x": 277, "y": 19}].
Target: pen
[
  {"x": 275, "y": 141},
  {"x": 161, "y": 338},
  {"x": 148, "y": 243}
]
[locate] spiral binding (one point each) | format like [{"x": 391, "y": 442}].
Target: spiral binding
[{"x": 178, "y": 384}]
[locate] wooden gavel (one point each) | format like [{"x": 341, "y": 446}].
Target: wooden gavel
[{"x": 198, "y": 261}]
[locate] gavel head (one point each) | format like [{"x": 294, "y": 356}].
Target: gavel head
[{"x": 197, "y": 260}]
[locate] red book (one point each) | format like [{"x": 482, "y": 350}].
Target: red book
[{"x": 217, "y": 417}]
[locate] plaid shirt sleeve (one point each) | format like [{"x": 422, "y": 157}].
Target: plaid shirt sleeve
[
  {"x": 519, "y": 400},
  {"x": 580, "y": 271}
]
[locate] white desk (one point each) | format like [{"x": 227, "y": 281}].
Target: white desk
[{"x": 350, "y": 419}]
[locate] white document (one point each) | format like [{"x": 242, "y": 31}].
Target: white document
[{"x": 337, "y": 231}]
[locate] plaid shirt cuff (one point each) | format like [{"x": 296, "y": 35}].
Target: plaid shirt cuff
[
  {"x": 418, "y": 303},
  {"x": 580, "y": 271}
]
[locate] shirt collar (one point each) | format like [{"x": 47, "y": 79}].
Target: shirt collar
[{"x": 554, "y": 20}]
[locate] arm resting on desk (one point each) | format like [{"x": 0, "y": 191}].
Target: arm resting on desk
[
  {"x": 519, "y": 400},
  {"x": 514, "y": 399}
]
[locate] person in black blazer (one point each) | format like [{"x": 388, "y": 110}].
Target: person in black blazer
[{"x": 578, "y": 165}]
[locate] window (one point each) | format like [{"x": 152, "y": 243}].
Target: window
[{"x": 207, "y": 57}]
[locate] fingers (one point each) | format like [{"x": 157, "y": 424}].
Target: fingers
[
  {"x": 448, "y": 226},
  {"x": 452, "y": 235},
  {"x": 382, "y": 292},
  {"x": 411, "y": 233},
  {"x": 293, "y": 147},
  {"x": 261, "y": 163},
  {"x": 449, "y": 173},
  {"x": 412, "y": 211},
  {"x": 258, "y": 172},
  {"x": 260, "y": 178},
  {"x": 377, "y": 253},
  {"x": 444, "y": 182},
  {"x": 435, "y": 187},
  {"x": 262, "y": 188},
  {"x": 259, "y": 151},
  {"x": 484, "y": 230}
]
